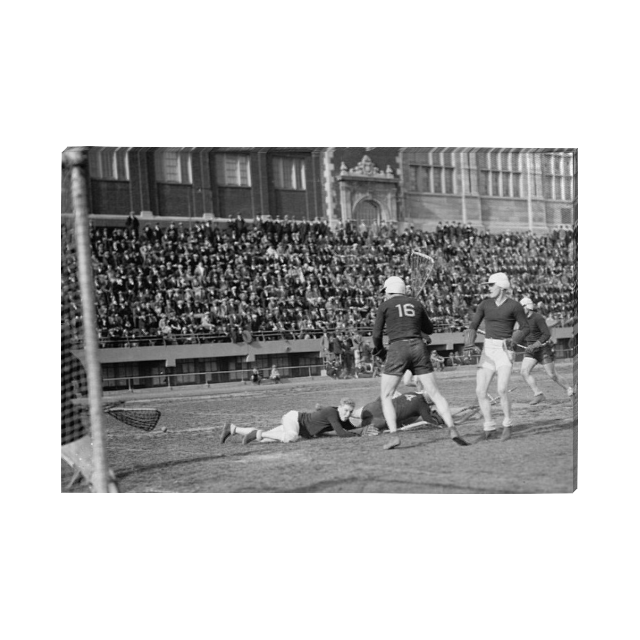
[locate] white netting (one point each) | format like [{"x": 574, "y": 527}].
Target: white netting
[{"x": 421, "y": 267}]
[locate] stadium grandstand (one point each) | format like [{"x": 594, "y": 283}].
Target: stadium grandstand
[{"x": 210, "y": 261}]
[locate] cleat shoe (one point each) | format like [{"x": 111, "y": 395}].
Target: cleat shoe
[
  {"x": 570, "y": 391},
  {"x": 455, "y": 436},
  {"x": 506, "y": 434},
  {"x": 226, "y": 432},
  {"x": 250, "y": 437},
  {"x": 392, "y": 443},
  {"x": 485, "y": 435},
  {"x": 537, "y": 399}
]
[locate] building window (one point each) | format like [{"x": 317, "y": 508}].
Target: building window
[
  {"x": 448, "y": 180},
  {"x": 568, "y": 188},
  {"x": 233, "y": 170},
  {"x": 484, "y": 183},
  {"x": 289, "y": 173},
  {"x": 434, "y": 177},
  {"x": 557, "y": 176},
  {"x": 500, "y": 174},
  {"x": 109, "y": 163},
  {"x": 174, "y": 165},
  {"x": 420, "y": 178}
]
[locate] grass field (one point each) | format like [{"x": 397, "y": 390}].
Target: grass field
[{"x": 188, "y": 457}]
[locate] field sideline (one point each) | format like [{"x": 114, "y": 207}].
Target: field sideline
[{"x": 188, "y": 457}]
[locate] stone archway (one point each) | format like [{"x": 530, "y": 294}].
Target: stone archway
[
  {"x": 368, "y": 194},
  {"x": 367, "y": 211}
]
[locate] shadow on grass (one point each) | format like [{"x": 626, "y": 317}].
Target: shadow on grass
[{"x": 167, "y": 465}]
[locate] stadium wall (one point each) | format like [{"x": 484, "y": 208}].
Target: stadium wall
[{"x": 188, "y": 363}]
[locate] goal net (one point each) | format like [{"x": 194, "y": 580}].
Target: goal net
[{"x": 83, "y": 440}]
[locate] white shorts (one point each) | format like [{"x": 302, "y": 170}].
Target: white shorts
[
  {"x": 496, "y": 355},
  {"x": 288, "y": 431}
]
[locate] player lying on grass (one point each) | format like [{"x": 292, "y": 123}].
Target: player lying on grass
[
  {"x": 410, "y": 407},
  {"x": 296, "y": 425},
  {"x": 539, "y": 350}
]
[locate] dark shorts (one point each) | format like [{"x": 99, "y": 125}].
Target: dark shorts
[
  {"x": 407, "y": 355},
  {"x": 543, "y": 355}
]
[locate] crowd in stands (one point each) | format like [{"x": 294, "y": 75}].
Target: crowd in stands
[{"x": 281, "y": 278}]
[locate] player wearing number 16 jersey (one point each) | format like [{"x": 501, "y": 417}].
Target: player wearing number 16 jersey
[{"x": 406, "y": 320}]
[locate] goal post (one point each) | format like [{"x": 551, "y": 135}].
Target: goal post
[{"x": 79, "y": 328}]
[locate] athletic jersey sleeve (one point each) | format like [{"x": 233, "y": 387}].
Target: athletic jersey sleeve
[
  {"x": 425, "y": 410},
  {"x": 324, "y": 419},
  {"x": 339, "y": 427},
  {"x": 539, "y": 329},
  {"x": 477, "y": 317},
  {"x": 378, "y": 328},
  {"x": 523, "y": 323}
]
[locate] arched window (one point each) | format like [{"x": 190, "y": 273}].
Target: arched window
[{"x": 367, "y": 211}]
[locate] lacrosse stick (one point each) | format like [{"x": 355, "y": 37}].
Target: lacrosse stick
[
  {"x": 145, "y": 419},
  {"x": 475, "y": 408},
  {"x": 421, "y": 267},
  {"x": 522, "y": 346},
  {"x": 374, "y": 431}
]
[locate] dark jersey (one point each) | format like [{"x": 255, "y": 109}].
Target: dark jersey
[
  {"x": 404, "y": 317},
  {"x": 408, "y": 406},
  {"x": 539, "y": 329},
  {"x": 499, "y": 321},
  {"x": 325, "y": 419}
]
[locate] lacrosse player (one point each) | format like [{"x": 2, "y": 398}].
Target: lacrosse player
[
  {"x": 296, "y": 425},
  {"x": 406, "y": 320},
  {"x": 539, "y": 350},
  {"x": 500, "y": 314},
  {"x": 410, "y": 407}
]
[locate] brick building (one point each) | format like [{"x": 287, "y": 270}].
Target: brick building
[{"x": 499, "y": 189}]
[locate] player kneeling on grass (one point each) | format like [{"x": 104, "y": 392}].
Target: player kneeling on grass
[
  {"x": 297, "y": 424},
  {"x": 539, "y": 349},
  {"x": 369, "y": 420}
]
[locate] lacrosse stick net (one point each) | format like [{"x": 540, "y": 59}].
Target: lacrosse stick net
[
  {"x": 421, "y": 267},
  {"x": 145, "y": 419}
]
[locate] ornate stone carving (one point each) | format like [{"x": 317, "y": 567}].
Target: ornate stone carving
[{"x": 366, "y": 168}]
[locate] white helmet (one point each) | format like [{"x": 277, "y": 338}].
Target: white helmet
[
  {"x": 527, "y": 303},
  {"x": 394, "y": 285},
  {"x": 500, "y": 279}
]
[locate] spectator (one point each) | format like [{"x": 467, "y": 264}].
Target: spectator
[
  {"x": 274, "y": 375},
  {"x": 132, "y": 224},
  {"x": 327, "y": 281},
  {"x": 437, "y": 361},
  {"x": 256, "y": 378}
]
